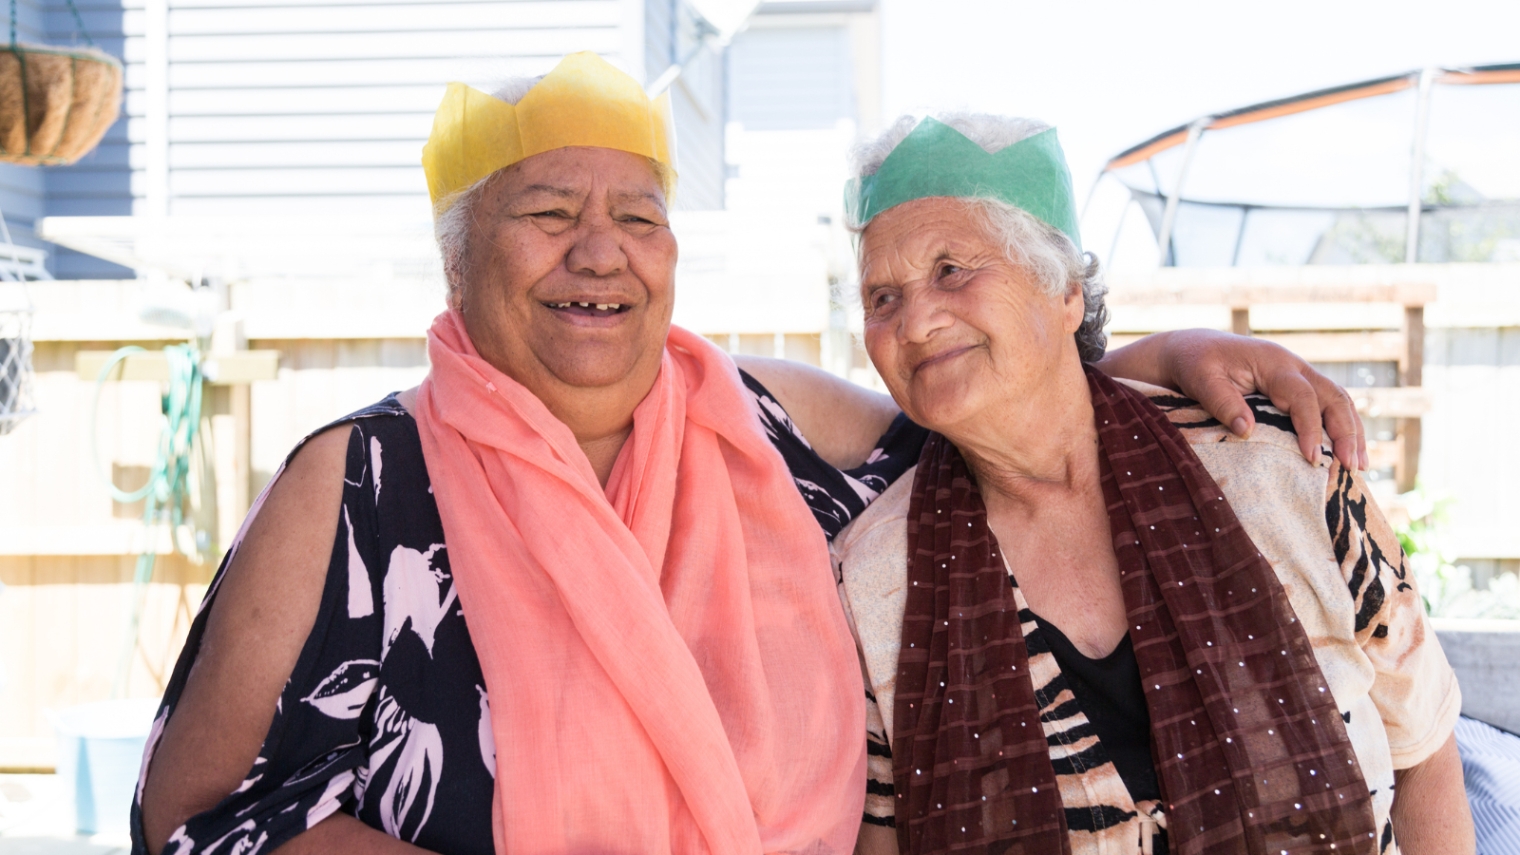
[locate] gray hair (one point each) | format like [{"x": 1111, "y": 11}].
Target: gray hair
[
  {"x": 452, "y": 228},
  {"x": 1045, "y": 251}
]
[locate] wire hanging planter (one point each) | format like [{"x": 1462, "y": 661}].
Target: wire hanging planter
[
  {"x": 15, "y": 355},
  {"x": 56, "y": 103}
]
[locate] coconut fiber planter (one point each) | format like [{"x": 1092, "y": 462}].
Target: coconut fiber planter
[{"x": 55, "y": 103}]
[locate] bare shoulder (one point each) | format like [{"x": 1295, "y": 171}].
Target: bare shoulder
[
  {"x": 408, "y": 399},
  {"x": 288, "y": 543},
  {"x": 266, "y": 605},
  {"x": 841, "y": 420}
]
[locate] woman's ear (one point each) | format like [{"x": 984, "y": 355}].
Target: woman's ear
[{"x": 1075, "y": 307}]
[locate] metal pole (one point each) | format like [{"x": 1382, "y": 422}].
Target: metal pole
[
  {"x": 1169, "y": 218},
  {"x": 1417, "y": 167},
  {"x": 716, "y": 40},
  {"x": 1113, "y": 246},
  {"x": 1091, "y": 192}
]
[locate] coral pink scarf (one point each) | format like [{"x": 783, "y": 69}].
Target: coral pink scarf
[{"x": 668, "y": 666}]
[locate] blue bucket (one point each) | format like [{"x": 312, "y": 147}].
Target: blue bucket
[{"x": 100, "y": 748}]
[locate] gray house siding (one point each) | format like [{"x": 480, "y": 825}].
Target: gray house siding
[
  {"x": 21, "y": 190},
  {"x": 697, "y": 98},
  {"x": 24, "y": 190},
  {"x": 322, "y": 108},
  {"x": 672, "y": 30},
  {"x": 282, "y": 108},
  {"x": 791, "y": 78},
  {"x": 100, "y": 184},
  {"x": 659, "y": 36}
]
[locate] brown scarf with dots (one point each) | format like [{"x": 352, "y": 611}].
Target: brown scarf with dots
[{"x": 1250, "y": 749}]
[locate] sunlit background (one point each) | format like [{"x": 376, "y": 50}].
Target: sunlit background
[{"x": 1341, "y": 177}]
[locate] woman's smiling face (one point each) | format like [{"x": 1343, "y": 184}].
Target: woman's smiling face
[
  {"x": 570, "y": 278},
  {"x": 954, "y": 326}
]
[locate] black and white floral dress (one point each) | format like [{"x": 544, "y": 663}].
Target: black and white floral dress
[{"x": 385, "y": 715}]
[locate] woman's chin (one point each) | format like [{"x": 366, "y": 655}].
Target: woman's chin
[{"x": 941, "y": 409}]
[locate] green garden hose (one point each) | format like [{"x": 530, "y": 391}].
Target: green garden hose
[{"x": 167, "y": 490}]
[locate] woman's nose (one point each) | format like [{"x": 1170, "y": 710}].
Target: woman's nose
[
  {"x": 598, "y": 250},
  {"x": 921, "y": 315}
]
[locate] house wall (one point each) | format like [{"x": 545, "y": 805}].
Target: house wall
[
  {"x": 322, "y": 108},
  {"x": 802, "y": 89},
  {"x": 253, "y": 108},
  {"x": 793, "y": 76},
  {"x": 28, "y": 193},
  {"x": 21, "y": 187},
  {"x": 100, "y": 184},
  {"x": 672, "y": 31}
]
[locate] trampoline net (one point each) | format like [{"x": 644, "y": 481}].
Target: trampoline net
[{"x": 1331, "y": 185}]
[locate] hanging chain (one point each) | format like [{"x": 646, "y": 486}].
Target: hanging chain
[{"x": 78, "y": 20}]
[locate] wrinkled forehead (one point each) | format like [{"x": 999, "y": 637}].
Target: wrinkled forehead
[{"x": 914, "y": 236}]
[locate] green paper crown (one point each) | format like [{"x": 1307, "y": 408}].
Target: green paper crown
[{"x": 937, "y": 160}]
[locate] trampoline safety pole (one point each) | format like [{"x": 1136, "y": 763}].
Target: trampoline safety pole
[
  {"x": 1417, "y": 167},
  {"x": 1169, "y": 218}
]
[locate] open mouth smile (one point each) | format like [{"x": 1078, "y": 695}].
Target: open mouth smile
[{"x": 589, "y": 310}]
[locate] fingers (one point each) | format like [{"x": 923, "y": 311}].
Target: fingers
[
  {"x": 1215, "y": 372},
  {"x": 1292, "y": 393},
  {"x": 1342, "y": 422},
  {"x": 1222, "y": 398}
]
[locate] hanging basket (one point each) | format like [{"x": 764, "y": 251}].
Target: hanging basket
[{"x": 55, "y": 103}]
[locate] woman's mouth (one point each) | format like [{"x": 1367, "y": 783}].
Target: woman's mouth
[
  {"x": 941, "y": 357},
  {"x": 589, "y": 310}
]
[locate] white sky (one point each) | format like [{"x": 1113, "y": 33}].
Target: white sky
[{"x": 1109, "y": 74}]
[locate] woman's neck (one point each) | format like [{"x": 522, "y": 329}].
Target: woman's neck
[
  {"x": 601, "y": 433},
  {"x": 601, "y": 424},
  {"x": 603, "y": 451},
  {"x": 1021, "y": 451}
]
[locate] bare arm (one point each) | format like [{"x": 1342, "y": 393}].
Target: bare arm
[
  {"x": 876, "y": 840},
  {"x": 266, "y": 606},
  {"x": 841, "y": 420},
  {"x": 1430, "y": 813},
  {"x": 343, "y": 833},
  {"x": 1217, "y": 369}
]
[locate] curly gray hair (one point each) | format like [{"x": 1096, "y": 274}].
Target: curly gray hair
[
  {"x": 1045, "y": 251},
  {"x": 451, "y": 228}
]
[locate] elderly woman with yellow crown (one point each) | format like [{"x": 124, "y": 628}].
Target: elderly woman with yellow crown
[
  {"x": 572, "y": 594},
  {"x": 1091, "y": 620}
]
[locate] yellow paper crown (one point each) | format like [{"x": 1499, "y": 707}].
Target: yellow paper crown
[{"x": 584, "y": 101}]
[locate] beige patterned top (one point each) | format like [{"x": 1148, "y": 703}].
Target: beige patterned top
[{"x": 1339, "y": 562}]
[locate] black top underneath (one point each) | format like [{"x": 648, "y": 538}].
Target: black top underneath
[
  {"x": 386, "y": 713},
  {"x": 1109, "y": 692}
]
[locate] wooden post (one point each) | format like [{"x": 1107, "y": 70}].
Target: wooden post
[
  {"x": 1411, "y": 373},
  {"x": 1240, "y": 320},
  {"x": 232, "y": 431}
]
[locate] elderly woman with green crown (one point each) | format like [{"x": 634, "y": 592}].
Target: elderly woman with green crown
[
  {"x": 572, "y": 594},
  {"x": 1092, "y": 620}
]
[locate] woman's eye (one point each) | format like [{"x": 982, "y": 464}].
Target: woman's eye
[
  {"x": 882, "y": 298},
  {"x": 948, "y": 270},
  {"x": 558, "y": 215}
]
